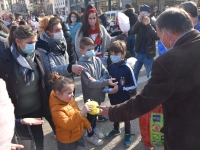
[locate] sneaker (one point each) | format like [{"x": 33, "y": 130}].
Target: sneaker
[
  {"x": 127, "y": 140},
  {"x": 102, "y": 119},
  {"x": 98, "y": 133},
  {"x": 94, "y": 140},
  {"x": 112, "y": 133}
]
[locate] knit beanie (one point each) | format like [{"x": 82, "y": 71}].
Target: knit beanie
[
  {"x": 6, "y": 118},
  {"x": 145, "y": 8}
]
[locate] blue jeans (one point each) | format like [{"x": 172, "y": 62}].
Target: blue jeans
[
  {"x": 131, "y": 44},
  {"x": 142, "y": 59}
]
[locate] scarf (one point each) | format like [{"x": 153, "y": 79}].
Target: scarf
[
  {"x": 57, "y": 47},
  {"x": 26, "y": 65}
]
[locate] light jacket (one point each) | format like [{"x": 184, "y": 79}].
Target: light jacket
[
  {"x": 68, "y": 120},
  {"x": 106, "y": 40},
  {"x": 174, "y": 83},
  {"x": 96, "y": 70}
]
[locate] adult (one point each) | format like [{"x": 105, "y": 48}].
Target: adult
[
  {"x": 102, "y": 18},
  {"x": 74, "y": 23},
  {"x": 174, "y": 84},
  {"x": 82, "y": 13},
  {"x": 68, "y": 38},
  {"x": 192, "y": 10},
  {"x": 3, "y": 36},
  {"x": 93, "y": 29},
  {"x": 9, "y": 19},
  {"x": 22, "y": 70},
  {"x": 145, "y": 47},
  {"x": 155, "y": 12},
  {"x": 53, "y": 49},
  {"x": 130, "y": 13}
]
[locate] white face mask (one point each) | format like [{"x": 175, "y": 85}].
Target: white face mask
[
  {"x": 73, "y": 19},
  {"x": 58, "y": 35}
]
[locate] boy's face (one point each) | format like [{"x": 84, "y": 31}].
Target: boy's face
[
  {"x": 118, "y": 54},
  {"x": 86, "y": 48}
]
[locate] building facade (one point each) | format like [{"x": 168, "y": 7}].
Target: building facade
[{"x": 61, "y": 7}]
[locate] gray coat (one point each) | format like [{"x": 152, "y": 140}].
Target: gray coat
[
  {"x": 53, "y": 63},
  {"x": 106, "y": 40},
  {"x": 95, "y": 69},
  {"x": 3, "y": 41}
]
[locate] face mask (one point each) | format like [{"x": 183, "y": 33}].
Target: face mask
[
  {"x": 92, "y": 22},
  {"x": 58, "y": 35},
  {"x": 73, "y": 19},
  {"x": 115, "y": 59},
  {"x": 90, "y": 53},
  {"x": 29, "y": 48},
  {"x": 7, "y": 23}
]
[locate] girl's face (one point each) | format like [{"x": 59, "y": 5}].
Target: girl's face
[
  {"x": 67, "y": 95},
  {"x": 92, "y": 19}
]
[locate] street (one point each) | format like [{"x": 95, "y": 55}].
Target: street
[{"x": 109, "y": 144}]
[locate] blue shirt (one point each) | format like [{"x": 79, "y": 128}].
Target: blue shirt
[
  {"x": 197, "y": 27},
  {"x": 73, "y": 30}
]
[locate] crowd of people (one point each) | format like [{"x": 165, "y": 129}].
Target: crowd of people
[{"x": 40, "y": 57}]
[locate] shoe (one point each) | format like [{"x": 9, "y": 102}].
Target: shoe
[
  {"x": 94, "y": 140},
  {"x": 127, "y": 140},
  {"x": 102, "y": 119},
  {"x": 98, "y": 133},
  {"x": 112, "y": 133}
]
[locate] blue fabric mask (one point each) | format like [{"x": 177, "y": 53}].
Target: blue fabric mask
[
  {"x": 90, "y": 53},
  {"x": 7, "y": 23},
  {"x": 29, "y": 48},
  {"x": 115, "y": 59}
]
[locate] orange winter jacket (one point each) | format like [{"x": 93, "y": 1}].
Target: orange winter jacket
[{"x": 68, "y": 120}]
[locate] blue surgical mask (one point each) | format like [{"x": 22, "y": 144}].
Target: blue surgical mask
[
  {"x": 29, "y": 48},
  {"x": 115, "y": 59},
  {"x": 90, "y": 53},
  {"x": 7, "y": 23}
]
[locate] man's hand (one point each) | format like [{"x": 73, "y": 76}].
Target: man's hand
[
  {"x": 140, "y": 18},
  {"x": 32, "y": 121},
  {"x": 77, "y": 69},
  {"x": 104, "y": 110},
  {"x": 115, "y": 90},
  {"x": 146, "y": 20},
  {"x": 111, "y": 83},
  {"x": 15, "y": 146}
]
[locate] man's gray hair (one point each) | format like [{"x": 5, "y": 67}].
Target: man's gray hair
[{"x": 175, "y": 20}]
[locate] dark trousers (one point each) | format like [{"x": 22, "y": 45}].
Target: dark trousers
[
  {"x": 36, "y": 129},
  {"x": 93, "y": 120},
  {"x": 127, "y": 127}
]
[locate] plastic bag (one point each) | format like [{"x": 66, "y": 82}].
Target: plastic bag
[
  {"x": 131, "y": 61},
  {"x": 124, "y": 23}
]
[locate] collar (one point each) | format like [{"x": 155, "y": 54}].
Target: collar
[
  {"x": 180, "y": 38},
  {"x": 122, "y": 62}
]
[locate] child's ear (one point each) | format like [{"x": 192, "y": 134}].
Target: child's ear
[
  {"x": 58, "y": 94},
  {"x": 124, "y": 55}
]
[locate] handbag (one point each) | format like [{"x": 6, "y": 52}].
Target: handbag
[{"x": 23, "y": 136}]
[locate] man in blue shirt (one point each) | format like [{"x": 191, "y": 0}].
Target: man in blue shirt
[{"x": 192, "y": 10}]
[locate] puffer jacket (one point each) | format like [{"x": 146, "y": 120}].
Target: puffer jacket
[
  {"x": 3, "y": 41},
  {"x": 70, "y": 45},
  {"x": 68, "y": 120}
]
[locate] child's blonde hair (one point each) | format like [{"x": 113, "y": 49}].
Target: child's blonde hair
[
  {"x": 59, "y": 82},
  {"x": 118, "y": 47}
]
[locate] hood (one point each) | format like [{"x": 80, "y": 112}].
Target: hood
[
  {"x": 3, "y": 34},
  {"x": 129, "y": 12}
]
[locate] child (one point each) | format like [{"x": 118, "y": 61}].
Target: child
[
  {"x": 94, "y": 79},
  {"x": 67, "y": 117},
  {"x": 124, "y": 75}
]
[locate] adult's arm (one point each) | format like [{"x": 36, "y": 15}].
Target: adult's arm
[
  {"x": 51, "y": 66},
  {"x": 108, "y": 39},
  {"x": 159, "y": 88},
  {"x": 152, "y": 32},
  {"x": 78, "y": 38},
  {"x": 103, "y": 19}
]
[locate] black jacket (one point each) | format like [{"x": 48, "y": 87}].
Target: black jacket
[
  {"x": 8, "y": 75},
  {"x": 130, "y": 13},
  {"x": 103, "y": 20},
  {"x": 3, "y": 41},
  {"x": 151, "y": 37},
  {"x": 70, "y": 46}
]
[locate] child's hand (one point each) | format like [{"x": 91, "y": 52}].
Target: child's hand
[
  {"x": 115, "y": 90},
  {"x": 89, "y": 129},
  {"x": 92, "y": 79},
  {"x": 86, "y": 109},
  {"x": 111, "y": 83}
]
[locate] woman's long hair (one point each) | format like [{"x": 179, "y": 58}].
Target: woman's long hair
[{"x": 85, "y": 29}]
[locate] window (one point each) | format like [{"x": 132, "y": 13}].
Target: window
[{"x": 113, "y": 16}]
